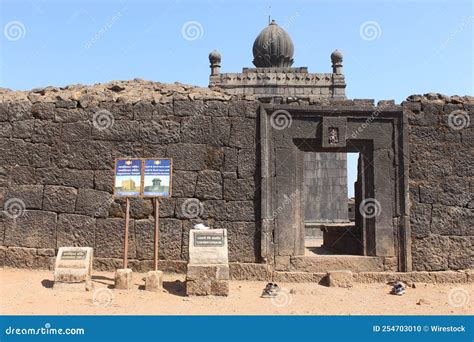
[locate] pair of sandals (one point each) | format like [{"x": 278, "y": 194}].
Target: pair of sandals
[
  {"x": 271, "y": 290},
  {"x": 398, "y": 289}
]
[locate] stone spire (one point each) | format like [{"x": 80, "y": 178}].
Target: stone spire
[{"x": 273, "y": 48}]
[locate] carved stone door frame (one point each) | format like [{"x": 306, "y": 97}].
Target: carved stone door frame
[{"x": 382, "y": 131}]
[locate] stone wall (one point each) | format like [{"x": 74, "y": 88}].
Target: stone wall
[
  {"x": 325, "y": 187},
  {"x": 441, "y": 181},
  {"x": 58, "y": 148}
]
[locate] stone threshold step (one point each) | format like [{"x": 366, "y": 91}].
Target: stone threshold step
[
  {"x": 465, "y": 276},
  {"x": 324, "y": 263}
]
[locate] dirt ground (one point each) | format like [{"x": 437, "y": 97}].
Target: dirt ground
[{"x": 25, "y": 292}]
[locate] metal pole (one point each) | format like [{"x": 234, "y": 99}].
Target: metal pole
[
  {"x": 157, "y": 217},
  {"x": 125, "y": 242}
]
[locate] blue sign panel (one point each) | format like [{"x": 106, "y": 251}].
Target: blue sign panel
[
  {"x": 128, "y": 178},
  {"x": 157, "y": 177}
]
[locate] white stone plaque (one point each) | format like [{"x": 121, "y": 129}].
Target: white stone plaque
[
  {"x": 73, "y": 266},
  {"x": 208, "y": 247}
]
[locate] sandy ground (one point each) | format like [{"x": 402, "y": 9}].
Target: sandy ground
[{"x": 30, "y": 292}]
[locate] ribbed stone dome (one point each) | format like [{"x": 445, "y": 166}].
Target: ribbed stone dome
[{"x": 273, "y": 48}]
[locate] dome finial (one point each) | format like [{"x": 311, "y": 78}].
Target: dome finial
[
  {"x": 336, "y": 59},
  {"x": 215, "y": 60},
  {"x": 273, "y": 48}
]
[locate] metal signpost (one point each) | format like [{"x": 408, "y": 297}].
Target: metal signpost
[{"x": 145, "y": 177}]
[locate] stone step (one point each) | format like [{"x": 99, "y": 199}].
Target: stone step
[{"x": 325, "y": 263}]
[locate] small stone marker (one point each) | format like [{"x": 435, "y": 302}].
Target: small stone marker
[
  {"x": 154, "y": 281},
  {"x": 73, "y": 268},
  {"x": 208, "y": 267},
  {"x": 123, "y": 279},
  {"x": 208, "y": 247}
]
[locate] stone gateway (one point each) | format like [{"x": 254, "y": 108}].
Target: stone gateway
[{"x": 250, "y": 157}]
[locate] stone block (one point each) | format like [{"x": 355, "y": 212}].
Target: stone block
[
  {"x": 123, "y": 279},
  {"x": 242, "y": 133},
  {"x": 32, "y": 229},
  {"x": 238, "y": 189},
  {"x": 230, "y": 159},
  {"x": 340, "y": 278},
  {"x": 216, "y": 108},
  {"x": 246, "y": 163},
  {"x": 104, "y": 180},
  {"x": 282, "y": 263},
  {"x": 22, "y": 129},
  {"x": 184, "y": 183},
  {"x": 190, "y": 157},
  {"x": 451, "y": 277},
  {"x": 81, "y": 179},
  {"x": 189, "y": 108},
  {"x": 197, "y": 272},
  {"x": 170, "y": 232},
  {"x": 198, "y": 288},
  {"x": 93, "y": 202},
  {"x": 160, "y": 132},
  {"x": 220, "y": 288},
  {"x": 59, "y": 199},
  {"x": 202, "y": 280},
  {"x": 48, "y": 252},
  {"x": 109, "y": 238},
  {"x": 39, "y": 155},
  {"x": 75, "y": 230},
  {"x": 208, "y": 247},
  {"x": 240, "y": 211},
  {"x": 431, "y": 253},
  {"x": 154, "y": 281},
  {"x": 293, "y": 277},
  {"x": 243, "y": 241},
  {"x": 30, "y": 195},
  {"x": 209, "y": 185},
  {"x": 140, "y": 208},
  {"x": 250, "y": 271}
]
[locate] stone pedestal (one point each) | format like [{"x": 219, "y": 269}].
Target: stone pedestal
[
  {"x": 123, "y": 279},
  {"x": 208, "y": 267},
  {"x": 73, "y": 269},
  {"x": 154, "y": 281}
]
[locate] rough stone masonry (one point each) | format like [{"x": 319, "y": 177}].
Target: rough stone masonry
[{"x": 57, "y": 159}]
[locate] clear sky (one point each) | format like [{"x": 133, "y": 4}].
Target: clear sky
[{"x": 391, "y": 48}]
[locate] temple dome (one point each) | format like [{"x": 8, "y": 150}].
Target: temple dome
[{"x": 273, "y": 48}]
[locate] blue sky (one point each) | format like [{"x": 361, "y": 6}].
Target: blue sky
[{"x": 391, "y": 48}]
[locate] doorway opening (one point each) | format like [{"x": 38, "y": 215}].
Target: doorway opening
[{"x": 329, "y": 191}]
